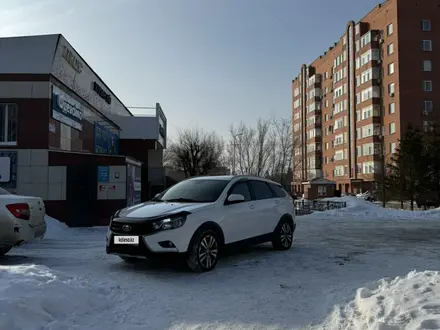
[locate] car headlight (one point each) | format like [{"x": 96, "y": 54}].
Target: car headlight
[{"x": 169, "y": 223}]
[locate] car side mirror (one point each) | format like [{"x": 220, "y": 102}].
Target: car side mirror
[
  {"x": 235, "y": 198},
  {"x": 155, "y": 196}
]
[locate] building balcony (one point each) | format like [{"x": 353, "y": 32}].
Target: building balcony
[{"x": 315, "y": 106}]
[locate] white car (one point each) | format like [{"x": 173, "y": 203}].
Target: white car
[
  {"x": 21, "y": 220},
  {"x": 198, "y": 217}
]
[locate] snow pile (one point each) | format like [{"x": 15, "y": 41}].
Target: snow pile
[
  {"x": 410, "y": 302},
  {"x": 32, "y": 297},
  {"x": 363, "y": 210},
  {"x": 55, "y": 228}
]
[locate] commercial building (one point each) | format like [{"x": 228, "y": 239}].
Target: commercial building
[
  {"x": 67, "y": 138},
  {"x": 352, "y": 104}
]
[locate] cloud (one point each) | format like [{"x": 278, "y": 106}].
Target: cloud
[{"x": 21, "y": 17}]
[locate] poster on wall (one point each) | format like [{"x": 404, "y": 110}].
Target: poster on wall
[
  {"x": 137, "y": 186},
  {"x": 66, "y": 109},
  {"x": 134, "y": 186},
  {"x": 130, "y": 185},
  {"x": 104, "y": 174},
  {"x": 8, "y": 169},
  {"x": 105, "y": 141}
]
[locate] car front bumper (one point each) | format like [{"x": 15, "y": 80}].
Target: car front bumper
[{"x": 167, "y": 242}]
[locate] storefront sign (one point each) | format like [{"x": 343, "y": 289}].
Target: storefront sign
[
  {"x": 105, "y": 141},
  {"x": 70, "y": 57},
  {"x": 66, "y": 109},
  {"x": 103, "y": 173},
  {"x": 101, "y": 92}
]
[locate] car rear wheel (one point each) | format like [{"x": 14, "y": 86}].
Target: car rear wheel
[
  {"x": 203, "y": 251},
  {"x": 4, "y": 250},
  {"x": 283, "y": 235}
]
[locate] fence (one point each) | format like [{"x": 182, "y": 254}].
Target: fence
[{"x": 303, "y": 207}]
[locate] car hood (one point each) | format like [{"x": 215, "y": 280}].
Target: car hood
[{"x": 156, "y": 209}]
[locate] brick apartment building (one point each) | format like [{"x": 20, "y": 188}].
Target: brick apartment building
[{"x": 352, "y": 104}]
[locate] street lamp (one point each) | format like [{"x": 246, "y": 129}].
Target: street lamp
[{"x": 233, "y": 151}]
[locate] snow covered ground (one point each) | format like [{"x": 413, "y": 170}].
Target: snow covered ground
[{"x": 363, "y": 267}]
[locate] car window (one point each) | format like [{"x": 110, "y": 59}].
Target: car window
[
  {"x": 261, "y": 190},
  {"x": 197, "y": 191},
  {"x": 241, "y": 189},
  {"x": 278, "y": 190}
]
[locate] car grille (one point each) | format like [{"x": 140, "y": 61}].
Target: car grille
[{"x": 137, "y": 228}]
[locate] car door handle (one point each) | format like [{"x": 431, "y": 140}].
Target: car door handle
[
  {"x": 277, "y": 202},
  {"x": 251, "y": 206}
]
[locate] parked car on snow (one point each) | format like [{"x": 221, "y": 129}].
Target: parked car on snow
[
  {"x": 368, "y": 196},
  {"x": 198, "y": 217},
  {"x": 21, "y": 220}
]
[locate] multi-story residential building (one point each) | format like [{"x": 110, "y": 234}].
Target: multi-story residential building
[{"x": 352, "y": 104}]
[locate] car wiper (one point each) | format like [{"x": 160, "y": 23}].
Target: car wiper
[{"x": 181, "y": 200}]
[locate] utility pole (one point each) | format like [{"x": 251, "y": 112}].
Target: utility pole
[{"x": 233, "y": 151}]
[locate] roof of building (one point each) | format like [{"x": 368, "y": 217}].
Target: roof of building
[{"x": 37, "y": 55}]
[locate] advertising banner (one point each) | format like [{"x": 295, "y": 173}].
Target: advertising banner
[
  {"x": 105, "y": 141},
  {"x": 66, "y": 109}
]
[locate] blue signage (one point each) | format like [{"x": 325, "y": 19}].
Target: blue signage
[
  {"x": 66, "y": 109},
  {"x": 103, "y": 174},
  {"x": 105, "y": 141}
]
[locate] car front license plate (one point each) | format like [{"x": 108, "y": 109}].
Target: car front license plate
[{"x": 130, "y": 240}]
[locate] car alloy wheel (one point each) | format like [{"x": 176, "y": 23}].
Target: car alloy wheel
[
  {"x": 286, "y": 236},
  {"x": 208, "y": 251}
]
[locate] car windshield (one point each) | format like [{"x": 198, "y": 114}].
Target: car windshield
[{"x": 194, "y": 191}]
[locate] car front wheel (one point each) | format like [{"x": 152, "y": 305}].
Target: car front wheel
[
  {"x": 283, "y": 236},
  {"x": 203, "y": 251}
]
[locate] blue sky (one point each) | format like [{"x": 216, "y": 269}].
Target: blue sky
[{"x": 209, "y": 63}]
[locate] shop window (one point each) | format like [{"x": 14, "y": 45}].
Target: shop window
[{"x": 8, "y": 124}]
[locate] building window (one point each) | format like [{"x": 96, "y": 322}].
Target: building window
[
  {"x": 390, "y": 48},
  {"x": 392, "y": 128},
  {"x": 427, "y": 86},
  {"x": 391, "y": 89},
  {"x": 390, "y": 29},
  {"x": 427, "y": 45},
  {"x": 392, "y": 147},
  {"x": 390, "y": 68},
  {"x": 427, "y": 66},
  {"x": 326, "y": 103},
  {"x": 391, "y": 108},
  {"x": 426, "y": 25},
  {"x": 427, "y": 107},
  {"x": 326, "y": 146},
  {"x": 8, "y": 124}
]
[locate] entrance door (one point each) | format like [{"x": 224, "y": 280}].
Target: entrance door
[{"x": 81, "y": 195}]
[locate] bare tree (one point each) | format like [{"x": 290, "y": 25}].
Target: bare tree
[
  {"x": 249, "y": 149},
  {"x": 195, "y": 152},
  {"x": 265, "y": 149},
  {"x": 281, "y": 157}
]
